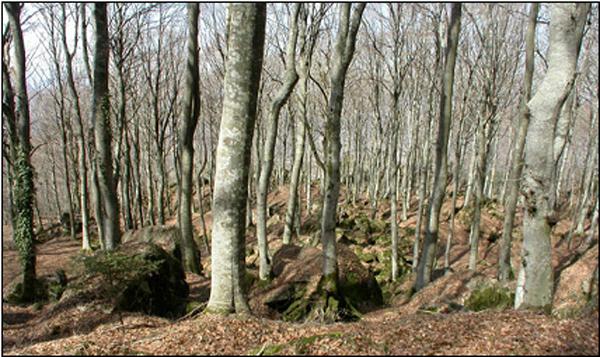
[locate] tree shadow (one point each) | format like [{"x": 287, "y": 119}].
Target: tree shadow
[{"x": 16, "y": 318}]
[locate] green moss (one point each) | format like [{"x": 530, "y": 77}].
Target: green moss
[
  {"x": 268, "y": 350},
  {"x": 217, "y": 311},
  {"x": 378, "y": 226},
  {"x": 301, "y": 344},
  {"x": 297, "y": 311},
  {"x": 249, "y": 279},
  {"x": 192, "y": 305},
  {"x": 365, "y": 257},
  {"x": 40, "y": 293},
  {"x": 490, "y": 297},
  {"x": 347, "y": 223},
  {"x": 384, "y": 240}
]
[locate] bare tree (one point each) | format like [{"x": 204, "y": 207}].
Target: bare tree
[
  {"x": 191, "y": 111},
  {"x": 24, "y": 189},
  {"x": 289, "y": 82},
  {"x": 242, "y": 77},
  {"x": 428, "y": 254},
  {"x": 516, "y": 168},
  {"x": 102, "y": 131},
  {"x": 342, "y": 56},
  {"x": 83, "y": 190},
  {"x": 535, "y": 280}
]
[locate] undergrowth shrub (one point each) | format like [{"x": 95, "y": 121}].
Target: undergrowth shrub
[{"x": 116, "y": 270}]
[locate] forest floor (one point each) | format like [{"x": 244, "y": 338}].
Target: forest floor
[{"x": 400, "y": 327}]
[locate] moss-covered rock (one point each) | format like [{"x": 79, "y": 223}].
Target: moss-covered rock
[
  {"x": 138, "y": 276},
  {"x": 15, "y": 295},
  {"x": 47, "y": 288},
  {"x": 297, "y": 290},
  {"x": 166, "y": 237},
  {"x": 493, "y": 296},
  {"x": 162, "y": 292}
]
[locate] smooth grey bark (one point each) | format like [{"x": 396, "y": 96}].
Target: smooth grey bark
[
  {"x": 342, "y": 56},
  {"x": 471, "y": 177},
  {"x": 63, "y": 125},
  {"x": 102, "y": 131},
  {"x": 284, "y": 92},
  {"x": 535, "y": 281},
  {"x": 516, "y": 167},
  {"x": 191, "y": 111},
  {"x": 422, "y": 186},
  {"x": 242, "y": 78},
  {"x": 587, "y": 181},
  {"x": 9, "y": 117},
  {"x": 483, "y": 132},
  {"x": 95, "y": 188},
  {"x": 455, "y": 179},
  {"x": 307, "y": 43},
  {"x": 428, "y": 255},
  {"x": 200, "y": 185},
  {"x": 82, "y": 157},
  {"x": 24, "y": 189}
]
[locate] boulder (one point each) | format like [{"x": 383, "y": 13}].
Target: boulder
[
  {"x": 297, "y": 274},
  {"x": 47, "y": 287},
  {"x": 166, "y": 237},
  {"x": 161, "y": 292}
]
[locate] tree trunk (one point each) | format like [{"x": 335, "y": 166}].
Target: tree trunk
[
  {"x": 242, "y": 79},
  {"x": 428, "y": 255},
  {"x": 293, "y": 205},
  {"x": 535, "y": 282},
  {"x": 290, "y": 80},
  {"x": 83, "y": 198},
  {"x": 516, "y": 167},
  {"x": 191, "y": 110},
  {"x": 102, "y": 130},
  {"x": 24, "y": 189},
  {"x": 342, "y": 56}
]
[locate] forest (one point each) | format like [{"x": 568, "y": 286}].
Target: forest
[{"x": 300, "y": 178}]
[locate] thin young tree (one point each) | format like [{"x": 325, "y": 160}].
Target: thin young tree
[
  {"x": 516, "y": 167},
  {"x": 191, "y": 111},
  {"x": 240, "y": 91},
  {"x": 342, "y": 56},
  {"x": 284, "y": 92},
  {"x": 428, "y": 255},
  {"x": 83, "y": 190},
  {"x": 308, "y": 39}
]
